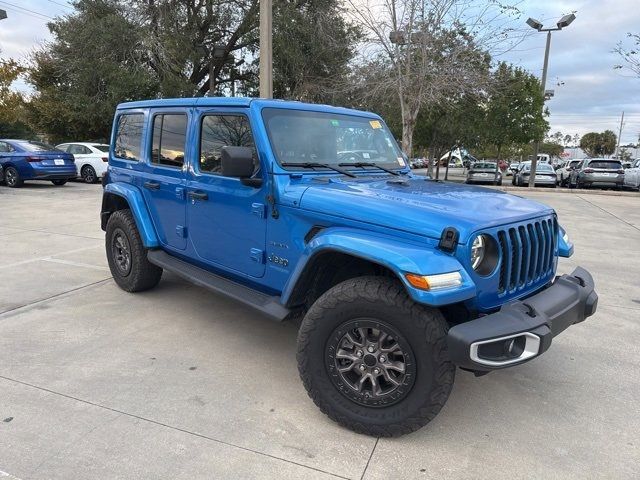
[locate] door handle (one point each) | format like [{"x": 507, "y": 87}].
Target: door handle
[
  {"x": 152, "y": 185},
  {"x": 198, "y": 195}
]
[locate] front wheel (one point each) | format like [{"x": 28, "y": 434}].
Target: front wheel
[
  {"x": 127, "y": 256},
  {"x": 373, "y": 360}
]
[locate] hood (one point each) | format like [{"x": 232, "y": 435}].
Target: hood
[{"x": 419, "y": 206}]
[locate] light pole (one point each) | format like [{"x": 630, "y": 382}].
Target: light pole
[
  {"x": 565, "y": 21},
  {"x": 266, "y": 52}
]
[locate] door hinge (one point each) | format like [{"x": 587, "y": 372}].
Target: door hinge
[
  {"x": 257, "y": 255},
  {"x": 181, "y": 231},
  {"x": 259, "y": 209}
]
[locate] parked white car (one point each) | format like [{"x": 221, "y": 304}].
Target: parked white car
[
  {"x": 91, "y": 159},
  {"x": 632, "y": 175},
  {"x": 564, "y": 172}
]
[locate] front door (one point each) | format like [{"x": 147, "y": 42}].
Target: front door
[
  {"x": 163, "y": 180},
  {"x": 226, "y": 219}
]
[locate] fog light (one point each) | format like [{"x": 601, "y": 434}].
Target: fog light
[{"x": 435, "y": 282}]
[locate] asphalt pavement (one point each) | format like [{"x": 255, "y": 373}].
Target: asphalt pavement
[{"x": 180, "y": 383}]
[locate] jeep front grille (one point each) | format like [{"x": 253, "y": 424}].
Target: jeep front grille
[{"x": 527, "y": 253}]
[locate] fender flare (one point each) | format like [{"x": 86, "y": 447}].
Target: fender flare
[
  {"x": 397, "y": 255},
  {"x": 565, "y": 247},
  {"x": 138, "y": 207}
]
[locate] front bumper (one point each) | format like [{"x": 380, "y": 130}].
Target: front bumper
[{"x": 523, "y": 329}]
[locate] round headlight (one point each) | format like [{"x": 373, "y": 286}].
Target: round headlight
[
  {"x": 477, "y": 251},
  {"x": 484, "y": 254}
]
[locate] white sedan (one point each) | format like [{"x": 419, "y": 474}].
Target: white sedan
[
  {"x": 91, "y": 159},
  {"x": 632, "y": 175}
]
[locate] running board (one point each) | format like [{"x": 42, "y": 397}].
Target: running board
[{"x": 266, "y": 304}]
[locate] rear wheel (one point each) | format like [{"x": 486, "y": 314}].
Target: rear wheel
[
  {"x": 58, "y": 183},
  {"x": 88, "y": 174},
  {"x": 12, "y": 177},
  {"x": 372, "y": 359},
  {"x": 127, "y": 256}
]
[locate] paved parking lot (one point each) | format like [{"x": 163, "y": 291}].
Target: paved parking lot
[{"x": 179, "y": 383}]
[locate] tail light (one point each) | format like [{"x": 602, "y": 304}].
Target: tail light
[
  {"x": 621, "y": 170},
  {"x": 105, "y": 159},
  {"x": 588, "y": 170},
  {"x": 33, "y": 158}
]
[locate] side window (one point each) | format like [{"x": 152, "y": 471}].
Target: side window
[
  {"x": 128, "y": 144},
  {"x": 75, "y": 149},
  {"x": 220, "y": 131},
  {"x": 169, "y": 136},
  {"x": 5, "y": 147},
  {"x": 84, "y": 150}
]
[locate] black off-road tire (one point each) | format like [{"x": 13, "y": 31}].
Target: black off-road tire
[
  {"x": 140, "y": 274},
  {"x": 422, "y": 329}
]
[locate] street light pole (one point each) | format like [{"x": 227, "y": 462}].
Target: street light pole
[
  {"x": 266, "y": 53},
  {"x": 565, "y": 21}
]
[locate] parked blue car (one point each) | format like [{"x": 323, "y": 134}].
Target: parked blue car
[
  {"x": 22, "y": 160},
  {"x": 311, "y": 212}
]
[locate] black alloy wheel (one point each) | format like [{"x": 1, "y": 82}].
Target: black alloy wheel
[
  {"x": 121, "y": 252},
  {"x": 370, "y": 363}
]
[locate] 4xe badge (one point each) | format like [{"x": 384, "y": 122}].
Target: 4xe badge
[{"x": 278, "y": 260}]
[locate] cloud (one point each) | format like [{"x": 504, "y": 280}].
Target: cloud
[{"x": 591, "y": 94}]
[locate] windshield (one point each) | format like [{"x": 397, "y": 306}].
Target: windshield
[
  {"x": 484, "y": 166},
  {"x": 299, "y": 137},
  {"x": 34, "y": 146},
  {"x": 102, "y": 148}
]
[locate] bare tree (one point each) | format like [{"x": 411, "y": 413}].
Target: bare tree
[
  {"x": 630, "y": 56},
  {"x": 437, "y": 50}
]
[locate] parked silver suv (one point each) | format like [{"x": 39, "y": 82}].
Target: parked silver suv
[{"x": 601, "y": 172}]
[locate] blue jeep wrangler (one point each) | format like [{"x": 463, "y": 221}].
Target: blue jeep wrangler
[{"x": 311, "y": 212}]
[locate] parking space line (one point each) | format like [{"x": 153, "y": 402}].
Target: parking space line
[
  {"x": 48, "y": 257},
  {"x": 7, "y": 476},
  {"x": 46, "y": 299},
  {"x": 607, "y": 211},
  {"x": 172, "y": 427},
  {"x": 75, "y": 264}
]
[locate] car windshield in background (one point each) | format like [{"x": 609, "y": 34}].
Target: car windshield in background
[
  {"x": 37, "y": 147},
  {"x": 304, "y": 137},
  {"x": 484, "y": 166},
  {"x": 102, "y": 148},
  {"x": 605, "y": 164}
]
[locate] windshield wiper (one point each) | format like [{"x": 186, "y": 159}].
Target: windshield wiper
[
  {"x": 319, "y": 165},
  {"x": 368, "y": 164}
]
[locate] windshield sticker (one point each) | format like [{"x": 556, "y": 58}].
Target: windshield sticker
[
  {"x": 335, "y": 123},
  {"x": 375, "y": 124},
  {"x": 366, "y": 155},
  {"x": 400, "y": 161}
]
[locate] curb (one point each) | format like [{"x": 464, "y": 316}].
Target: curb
[{"x": 575, "y": 191}]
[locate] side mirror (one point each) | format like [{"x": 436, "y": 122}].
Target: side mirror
[{"x": 238, "y": 162}]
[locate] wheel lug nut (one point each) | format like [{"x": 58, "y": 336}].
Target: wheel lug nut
[
  {"x": 359, "y": 353},
  {"x": 362, "y": 367},
  {"x": 382, "y": 358},
  {"x": 371, "y": 349},
  {"x": 376, "y": 371}
]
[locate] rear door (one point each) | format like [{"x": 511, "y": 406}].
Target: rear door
[
  {"x": 163, "y": 174},
  {"x": 227, "y": 219}
]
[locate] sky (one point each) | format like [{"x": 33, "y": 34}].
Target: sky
[{"x": 592, "y": 94}]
